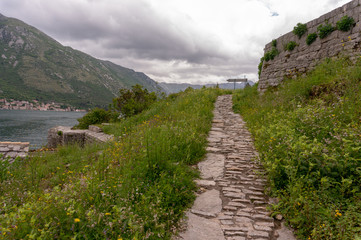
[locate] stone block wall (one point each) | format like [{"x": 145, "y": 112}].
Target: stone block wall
[
  {"x": 304, "y": 58},
  {"x": 13, "y": 150},
  {"x": 60, "y": 135}
]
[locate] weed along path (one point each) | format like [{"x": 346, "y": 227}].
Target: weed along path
[{"x": 232, "y": 203}]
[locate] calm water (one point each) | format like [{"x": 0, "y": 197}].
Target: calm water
[{"x": 33, "y": 126}]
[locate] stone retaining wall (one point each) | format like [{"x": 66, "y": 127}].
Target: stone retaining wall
[
  {"x": 14, "y": 149},
  {"x": 304, "y": 58},
  {"x": 61, "y": 135}
]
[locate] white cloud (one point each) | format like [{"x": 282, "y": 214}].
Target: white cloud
[{"x": 175, "y": 40}]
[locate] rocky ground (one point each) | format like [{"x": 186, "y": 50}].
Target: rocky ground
[{"x": 231, "y": 204}]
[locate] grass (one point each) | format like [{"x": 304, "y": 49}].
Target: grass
[
  {"x": 136, "y": 187},
  {"x": 308, "y": 134}
]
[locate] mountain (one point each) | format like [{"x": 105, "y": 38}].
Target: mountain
[
  {"x": 178, "y": 87},
  {"x": 35, "y": 66}
]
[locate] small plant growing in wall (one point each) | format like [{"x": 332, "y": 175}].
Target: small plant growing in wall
[
  {"x": 325, "y": 30},
  {"x": 311, "y": 38},
  {"x": 345, "y": 23},
  {"x": 274, "y": 43},
  {"x": 270, "y": 55},
  {"x": 260, "y": 65},
  {"x": 290, "y": 46},
  {"x": 300, "y": 29}
]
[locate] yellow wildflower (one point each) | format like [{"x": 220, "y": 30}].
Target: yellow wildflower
[{"x": 76, "y": 220}]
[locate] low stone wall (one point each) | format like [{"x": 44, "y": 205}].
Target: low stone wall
[
  {"x": 304, "y": 58},
  {"x": 13, "y": 150},
  {"x": 61, "y": 135}
]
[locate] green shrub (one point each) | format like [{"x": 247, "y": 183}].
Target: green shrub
[
  {"x": 260, "y": 65},
  {"x": 274, "y": 43},
  {"x": 300, "y": 29},
  {"x": 270, "y": 55},
  {"x": 311, "y": 38},
  {"x": 345, "y": 23},
  {"x": 133, "y": 101},
  {"x": 96, "y": 116},
  {"x": 325, "y": 30},
  {"x": 290, "y": 45}
]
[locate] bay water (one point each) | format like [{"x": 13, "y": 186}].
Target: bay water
[{"x": 33, "y": 126}]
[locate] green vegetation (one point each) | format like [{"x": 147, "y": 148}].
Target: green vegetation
[
  {"x": 136, "y": 187},
  {"x": 300, "y": 29},
  {"x": 311, "y": 38},
  {"x": 290, "y": 46},
  {"x": 270, "y": 55},
  {"x": 133, "y": 101},
  {"x": 260, "y": 65},
  {"x": 97, "y": 116},
  {"x": 308, "y": 134},
  {"x": 325, "y": 30},
  {"x": 345, "y": 23},
  {"x": 274, "y": 43}
]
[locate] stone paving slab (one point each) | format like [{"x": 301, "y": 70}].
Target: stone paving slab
[{"x": 232, "y": 205}]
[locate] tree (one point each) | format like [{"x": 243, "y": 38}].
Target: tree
[{"x": 133, "y": 101}]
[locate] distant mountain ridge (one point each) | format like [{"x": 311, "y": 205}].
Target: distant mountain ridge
[
  {"x": 35, "y": 66},
  {"x": 178, "y": 87}
]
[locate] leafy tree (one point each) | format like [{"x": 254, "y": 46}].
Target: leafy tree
[{"x": 133, "y": 101}]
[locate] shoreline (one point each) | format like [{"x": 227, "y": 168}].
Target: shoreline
[
  {"x": 48, "y": 110},
  {"x": 35, "y": 105}
]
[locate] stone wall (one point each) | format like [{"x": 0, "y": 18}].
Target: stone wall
[
  {"x": 61, "y": 135},
  {"x": 14, "y": 149},
  {"x": 304, "y": 58}
]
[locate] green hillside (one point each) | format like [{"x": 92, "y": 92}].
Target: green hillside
[
  {"x": 35, "y": 66},
  {"x": 308, "y": 134},
  {"x": 136, "y": 187}
]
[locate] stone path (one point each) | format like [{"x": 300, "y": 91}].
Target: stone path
[{"x": 232, "y": 203}]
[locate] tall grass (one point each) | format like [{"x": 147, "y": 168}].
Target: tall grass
[
  {"x": 308, "y": 133},
  {"x": 136, "y": 187}
]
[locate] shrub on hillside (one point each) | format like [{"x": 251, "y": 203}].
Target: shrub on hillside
[
  {"x": 97, "y": 116},
  {"x": 133, "y": 101}
]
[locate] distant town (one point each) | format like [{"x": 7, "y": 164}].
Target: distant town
[{"x": 36, "y": 106}]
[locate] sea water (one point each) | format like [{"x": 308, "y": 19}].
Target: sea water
[{"x": 33, "y": 126}]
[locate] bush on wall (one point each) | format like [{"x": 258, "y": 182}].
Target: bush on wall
[
  {"x": 345, "y": 23},
  {"x": 290, "y": 46},
  {"x": 300, "y": 29},
  {"x": 270, "y": 55},
  {"x": 311, "y": 38},
  {"x": 325, "y": 30}
]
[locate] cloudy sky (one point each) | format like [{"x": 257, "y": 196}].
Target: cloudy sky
[{"x": 193, "y": 41}]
